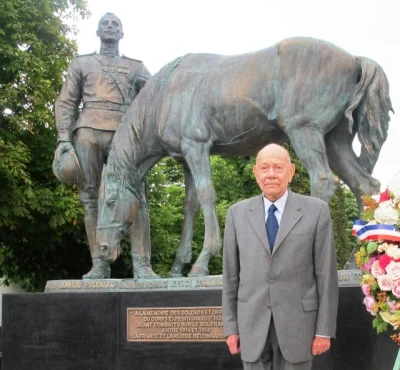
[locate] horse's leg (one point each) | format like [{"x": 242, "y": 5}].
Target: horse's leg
[
  {"x": 345, "y": 163},
  {"x": 190, "y": 210},
  {"x": 197, "y": 156},
  {"x": 140, "y": 240},
  {"x": 309, "y": 145}
]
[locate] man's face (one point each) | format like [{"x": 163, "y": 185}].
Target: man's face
[
  {"x": 110, "y": 29},
  {"x": 273, "y": 171}
]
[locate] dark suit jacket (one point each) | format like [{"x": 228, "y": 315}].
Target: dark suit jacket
[{"x": 297, "y": 283}]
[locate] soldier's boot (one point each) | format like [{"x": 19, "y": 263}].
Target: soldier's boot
[
  {"x": 100, "y": 269},
  {"x": 140, "y": 242}
]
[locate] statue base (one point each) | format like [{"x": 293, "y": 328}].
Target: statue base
[{"x": 169, "y": 324}]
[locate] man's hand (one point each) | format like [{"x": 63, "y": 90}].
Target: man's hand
[
  {"x": 62, "y": 147},
  {"x": 320, "y": 345},
  {"x": 233, "y": 343}
]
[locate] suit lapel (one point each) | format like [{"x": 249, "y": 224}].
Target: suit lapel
[
  {"x": 256, "y": 217},
  {"x": 291, "y": 216}
]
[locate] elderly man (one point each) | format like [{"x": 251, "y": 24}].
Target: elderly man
[
  {"x": 280, "y": 292},
  {"x": 105, "y": 84}
]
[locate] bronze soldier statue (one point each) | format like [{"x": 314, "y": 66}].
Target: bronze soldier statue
[{"x": 93, "y": 99}]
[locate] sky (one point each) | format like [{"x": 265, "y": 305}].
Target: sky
[{"x": 158, "y": 31}]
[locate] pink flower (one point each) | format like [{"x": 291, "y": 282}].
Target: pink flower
[
  {"x": 393, "y": 306},
  {"x": 396, "y": 289},
  {"x": 367, "y": 266},
  {"x": 393, "y": 270},
  {"x": 366, "y": 289},
  {"x": 376, "y": 269},
  {"x": 385, "y": 282},
  {"x": 369, "y": 302},
  {"x": 385, "y": 196},
  {"x": 384, "y": 260}
]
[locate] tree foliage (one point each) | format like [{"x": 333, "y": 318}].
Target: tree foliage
[{"x": 40, "y": 219}]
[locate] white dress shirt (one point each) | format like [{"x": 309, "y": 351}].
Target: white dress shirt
[{"x": 279, "y": 204}]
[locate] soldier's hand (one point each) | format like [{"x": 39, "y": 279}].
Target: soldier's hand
[{"x": 62, "y": 147}]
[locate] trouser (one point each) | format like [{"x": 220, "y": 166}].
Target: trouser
[
  {"x": 92, "y": 148},
  {"x": 271, "y": 357}
]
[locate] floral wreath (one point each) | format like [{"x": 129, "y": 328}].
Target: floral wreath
[{"x": 379, "y": 257}]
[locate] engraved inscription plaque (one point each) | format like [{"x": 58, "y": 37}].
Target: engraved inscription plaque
[
  {"x": 175, "y": 324},
  {"x": 347, "y": 278}
]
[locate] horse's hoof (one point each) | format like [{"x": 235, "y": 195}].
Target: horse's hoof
[
  {"x": 173, "y": 275},
  {"x": 145, "y": 273},
  {"x": 197, "y": 271}
]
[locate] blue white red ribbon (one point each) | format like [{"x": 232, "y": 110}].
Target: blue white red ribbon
[
  {"x": 383, "y": 232},
  {"x": 357, "y": 225}
]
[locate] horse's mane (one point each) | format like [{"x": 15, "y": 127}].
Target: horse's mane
[
  {"x": 164, "y": 74},
  {"x": 130, "y": 136},
  {"x": 125, "y": 174}
]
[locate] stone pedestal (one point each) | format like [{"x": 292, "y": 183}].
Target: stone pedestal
[
  {"x": 60, "y": 331},
  {"x": 94, "y": 325}
]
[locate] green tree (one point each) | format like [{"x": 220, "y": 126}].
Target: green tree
[
  {"x": 233, "y": 180},
  {"x": 341, "y": 230},
  {"x": 40, "y": 219},
  {"x": 352, "y": 213}
]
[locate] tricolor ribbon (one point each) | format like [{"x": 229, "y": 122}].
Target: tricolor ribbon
[
  {"x": 375, "y": 232},
  {"x": 357, "y": 225}
]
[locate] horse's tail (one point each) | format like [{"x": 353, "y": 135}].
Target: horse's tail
[{"x": 371, "y": 105}]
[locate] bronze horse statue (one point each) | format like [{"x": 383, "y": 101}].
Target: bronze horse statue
[{"x": 304, "y": 90}]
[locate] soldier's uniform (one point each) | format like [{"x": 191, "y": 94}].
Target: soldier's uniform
[
  {"x": 104, "y": 85},
  {"x": 92, "y": 101}
]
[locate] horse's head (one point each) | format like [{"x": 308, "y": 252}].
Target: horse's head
[{"x": 118, "y": 208}]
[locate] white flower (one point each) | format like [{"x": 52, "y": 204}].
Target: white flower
[
  {"x": 376, "y": 197},
  {"x": 393, "y": 270},
  {"x": 393, "y": 251},
  {"x": 385, "y": 214},
  {"x": 384, "y": 246},
  {"x": 394, "y": 185},
  {"x": 385, "y": 282}
]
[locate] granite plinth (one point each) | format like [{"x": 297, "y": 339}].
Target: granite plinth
[
  {"x": 88, "y": 330},
  {"x": 60, "y": 331}
]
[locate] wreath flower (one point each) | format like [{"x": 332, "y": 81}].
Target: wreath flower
[{"x": 379, "y": 257}]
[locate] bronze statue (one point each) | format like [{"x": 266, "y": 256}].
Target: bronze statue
[
  {"x": 304, "y": 90},
  {"x": 105, "y": 84}
]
